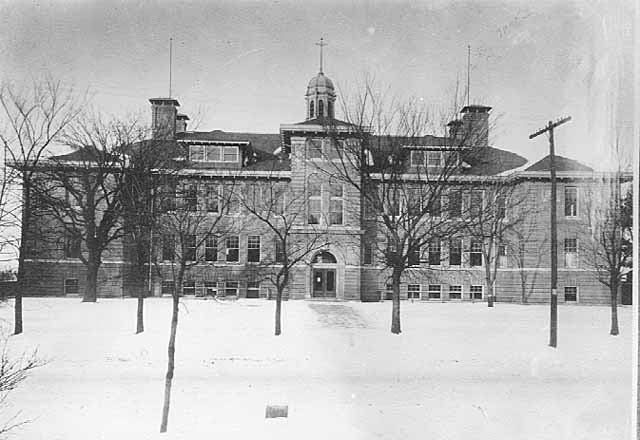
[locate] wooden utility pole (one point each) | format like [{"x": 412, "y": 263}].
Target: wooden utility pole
[{"x": 553, "y": 326}]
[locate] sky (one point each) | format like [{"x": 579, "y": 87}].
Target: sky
[{"x": 244, "y": 66}]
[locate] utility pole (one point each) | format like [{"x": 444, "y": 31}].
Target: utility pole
[{"x": 553, "y": 326}]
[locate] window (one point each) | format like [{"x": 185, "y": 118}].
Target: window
[
  {"x": 413, "y": 291},
  {"x": 434, "y": 253},
  {"x": 336, "y": 149},
  {"x": 71, "y": 286},
  {"x": 330, "y": 109},
  {"x": 417, "y": 158},
  {"x": 191, "y": 198},
  {"x": 413, "y": 202},
  {"x": 233, "y": 249},
  {"x": 570, "y": 201},
  {"x": 413, "y": 255},
  {"x": 213, "y": 153},
  {"x": 279, "y": 251},
  {"x": 196, "y": 153},
  {"x": 211, "y": 198},
  {"x": 476, "y": 253},
  {"x": 253, "y": 249},
  {"x": 502, "y": 255},
  {"x": 73, "y": 199},
  {"x": 312, "y": 110},
  {"x": 435, "y": 291},
  {"x": 501, "y": 206},
  {"x": 367, "y": 254},
  {"x": 314, "y": 200},
  {"x": 211, "y": 288},
  {"x": 335, "y": 203},
  {"x": 455, "y": 204},
  {"x": 388, "y": 291},
  {"x": 435, "y": 206},
  {"x": 475, "y": 202},
  {"x": 455, "y": 252},
  {"x": 199, "y": 289},
  {"x": 168, "y": 197},
  {"x": 167, "y": 287},
  {"x": 232, "y": 201},
  {"x": 253, "y": 289},
  {"x": 475, "y": 292},
  {"x": 455, "y": 292},
  {"x": 571, "y": 294},
  {"x": 434, "y": 159},
  {"x": 211, "y": 248},
  {"x": 231, "y": 288},
  {"x": 571, "y": 252},
  {"x": 320, "y": 109},
  {"x": 314, "y": 149},
  {"x": 188, "y": 288},
  {"x": 230, "y": 154},
  {"x": 72, "y": 245},
  {"x": 168, "y": 247},
  {"x": 190, "y": 247}
]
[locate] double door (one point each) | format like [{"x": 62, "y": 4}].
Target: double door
[{"x": 324, "y": 283}]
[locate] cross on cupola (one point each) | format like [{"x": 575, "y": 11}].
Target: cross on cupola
[{"x": 322, "y": 44}]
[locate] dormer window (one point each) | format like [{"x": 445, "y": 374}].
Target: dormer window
[
  {"x": 434, "y": 159},
  {"x": 213, "y": 153}
]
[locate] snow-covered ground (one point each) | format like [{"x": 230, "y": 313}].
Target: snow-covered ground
[{"x": 458, "y": 371}]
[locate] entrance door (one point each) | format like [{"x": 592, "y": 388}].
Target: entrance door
[{"x": 324, "y": 283}]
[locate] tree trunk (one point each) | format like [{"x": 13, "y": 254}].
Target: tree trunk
[
  {"x": 90, "y": 293},
  {"x": 489, "y": 284},
  {"x": 140, "y": 312},
  {"x": 395, "y": 310},
  {"x": 142, "y": 274},
  {"x": 614, "y": 309},
  {"x": 279, "y": 290},
  {"x": 171, "y": 353}
]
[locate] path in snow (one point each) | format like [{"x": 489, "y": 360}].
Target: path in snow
[{"x": 338, "y": 316}]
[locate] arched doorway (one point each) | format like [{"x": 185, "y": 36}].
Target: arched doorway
[{"x": 323, "y": 283}]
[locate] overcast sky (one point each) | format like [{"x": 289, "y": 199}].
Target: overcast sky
[{"x": 244, "y": 66}]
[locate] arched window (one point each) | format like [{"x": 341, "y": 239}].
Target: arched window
[
  {"x": 314, "y": 199},
  {"x": 311, "y": 110},
  {"x": 320, "y": 109},
  {"x": 324, "y": 257},
  {"x": 330, "y": 109}
]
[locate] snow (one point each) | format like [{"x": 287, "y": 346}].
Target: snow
[{"x": 458, "y": 371}]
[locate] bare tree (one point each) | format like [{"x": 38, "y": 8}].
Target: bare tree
[
  {"x": 610, "y": 221},
  {"x": 14, "y": 369},
  {"x": 32, "y": 122},
  {"x": 185, "y": 229},
  {"x": 494, "y": 213},
  {"x": 82, "y": 190},
  {"x": 141, "y": 183},
  {"x": 527, "y": 250},
  {"x": 401, "y": 173},
  {"x": 280, "y": 213}
]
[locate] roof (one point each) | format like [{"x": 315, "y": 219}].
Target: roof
[
  {"x": 561, "y": 163},
  {"x": 270, "y": 164},
  {"x": 267, "y": 142},
  {"x": 489, "y": 161},
  {"x": 324, "y": 121},
  {"x": 81, "y": 155}
]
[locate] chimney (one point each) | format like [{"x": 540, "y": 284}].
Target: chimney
[
  {"x": 181, "y": 123},
  {"x": 475, "y": 125},
  {"x": 163, "y": 117},
  {"x": 454, "y": 129}
]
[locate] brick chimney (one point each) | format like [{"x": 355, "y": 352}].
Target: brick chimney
[
  {"x": 164, "y": 113},
  {"x": 181, "y": 123},
  {"x": 454, "y": 129},
  {"x": 475, "y": 125}
]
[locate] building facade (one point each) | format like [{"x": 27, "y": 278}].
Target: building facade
[{"x": 347, "y": 266}]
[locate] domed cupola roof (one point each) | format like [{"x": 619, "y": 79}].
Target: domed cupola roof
[{"x": 320, "y": 84}]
